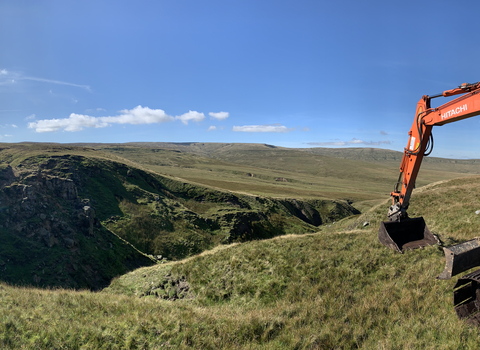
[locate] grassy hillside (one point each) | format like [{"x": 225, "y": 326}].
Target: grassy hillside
[
  {"x": 360, "y": 176},
  {"x": 50, "y": 234},
  {"x": 70, "y": 215},
  {"x": 335, "y": 289}
]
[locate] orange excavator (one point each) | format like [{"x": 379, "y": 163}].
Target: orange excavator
[{"x": 403, "y": 233}]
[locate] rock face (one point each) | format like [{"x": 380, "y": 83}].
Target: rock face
[
  {"x": 47, "y": 208},
  {"x": 51, "y": 237}
]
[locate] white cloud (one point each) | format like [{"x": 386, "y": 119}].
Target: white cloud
[
  {"x": 262, "y": 128},
  {"x": 76, "y": 122},
  {"x": 14, "y": 126},
  {"x": 353, "y": 141},
  {"x": 219, "y": 115},
  {"x": 139, "y": 115},
  {"x": 191, "y": 116},
  {"x": 30, "y": 117},
  {"x": 211, "y": 128},
  {"x": 3, "y": 72}
]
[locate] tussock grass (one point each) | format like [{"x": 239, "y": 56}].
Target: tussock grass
[{"x": 322, "y": 291}]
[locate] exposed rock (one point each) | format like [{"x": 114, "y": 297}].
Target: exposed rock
[
  {"x": 89, "y": 215},
  {"x": 43, "y": 218},
  {"x": 170, "y": 288},
  {"x": 7, "y": 176},
  {"x": 69, "y": 243}
]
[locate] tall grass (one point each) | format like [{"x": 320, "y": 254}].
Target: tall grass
[{"x": 323, "y": 291}]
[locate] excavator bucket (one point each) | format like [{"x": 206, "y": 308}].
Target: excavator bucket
[
  {"x": 406, "y": 234},
  {"x": 466, "y": 298},
  {"x": 460, "y": 257}
]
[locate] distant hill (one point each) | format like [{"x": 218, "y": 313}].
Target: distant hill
[{"x": 358, "y": 175}]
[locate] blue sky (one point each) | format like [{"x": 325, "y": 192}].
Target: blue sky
[{"x": 288, "y": 73}]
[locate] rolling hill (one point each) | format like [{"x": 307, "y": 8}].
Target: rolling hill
[
  {"x": 360, "y": 176},
  {"x": 337, "y": 288},
  {"x": 77, "y": 217}
]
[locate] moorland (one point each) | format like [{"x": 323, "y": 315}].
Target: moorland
[{"x": 160, "y": 245}]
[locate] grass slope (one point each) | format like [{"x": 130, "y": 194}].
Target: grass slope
[
  {"x": 361, "y": 176},
  {"x": 336, "y": 289},
  {"x": 159, "y": 215}
]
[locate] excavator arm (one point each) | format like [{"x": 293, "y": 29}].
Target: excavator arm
[
  {"x": 401, "y": 232},
  {"x": 420, "y": 142}
]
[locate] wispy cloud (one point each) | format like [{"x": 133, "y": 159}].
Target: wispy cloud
[
  {"x": 219, "y": 115},
  {"x": 191, "y": 116},
  {"x": 211, "y": 128},
  {"x": 9, "y": 77},
  {"x": 94, "y": 110},
  {"x": 58, "y": 82},
  {"x": 30, "y": 117},
  {"x": 77, "y": 122},
  {"x": 353, "y": 141},
  {"x": 262, "y": 128},
  {"x": 6, "y": 77},
  {"x": 383, "y": 132}
]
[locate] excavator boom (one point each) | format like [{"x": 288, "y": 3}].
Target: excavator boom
[{"x": 401, "y": 232}]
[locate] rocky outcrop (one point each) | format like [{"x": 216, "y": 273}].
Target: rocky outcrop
[
  {"x": 47, "y": 208},
  {"x": 52, "y": 237},
  {"x": 169, "y": 288},
  {"x": 6, "y": 176}
]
